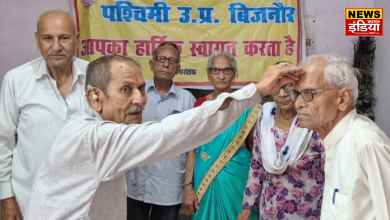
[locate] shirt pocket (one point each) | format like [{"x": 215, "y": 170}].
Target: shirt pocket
[{"x": 339, "y": 207}]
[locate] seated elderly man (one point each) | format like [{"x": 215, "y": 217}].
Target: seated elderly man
[
  {"x": 357, "y": 151},
  {"x": 82, "y": 176}
]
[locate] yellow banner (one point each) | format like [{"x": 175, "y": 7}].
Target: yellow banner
[{"x": 257, "y": 33}]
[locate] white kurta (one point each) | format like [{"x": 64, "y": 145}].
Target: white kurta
[
  {"x": 357, "y": 180},
  {"x": 82, "y": 176},
  {"x": 32, "y": 111}
]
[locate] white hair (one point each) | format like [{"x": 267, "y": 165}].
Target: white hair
[
  {"x": 337, "y": 73},
  {"x": 228, "y": 55}
]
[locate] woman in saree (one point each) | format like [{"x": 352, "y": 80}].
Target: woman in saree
[{"x": 222, "y": 198}]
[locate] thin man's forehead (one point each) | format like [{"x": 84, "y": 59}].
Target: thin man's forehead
[
  {"x": 221, "y": 60},
  {"x": 125, "y": 66},
  {"x": 125, "y": 71},
  {"x": 128, "y": 83},
  {"x": 165, "y": 49},
  {"x": 307, "y": 79},
  {"x": 314, "y": 76}
]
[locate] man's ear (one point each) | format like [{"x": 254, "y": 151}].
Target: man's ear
[
  {"x": 151, "y": 62},
  {"x": 178, "y": 69},
  {"x": 77, "y": 38},
  {"x": 37, "y": 39},
  {"x": 95, "y": 99},
  {"x": 345, "y": 98}
]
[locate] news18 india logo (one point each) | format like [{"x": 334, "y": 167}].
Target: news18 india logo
[{"x": 364, "y": 22}]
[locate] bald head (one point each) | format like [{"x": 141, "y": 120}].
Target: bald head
[{"x": 56, "y": 14}]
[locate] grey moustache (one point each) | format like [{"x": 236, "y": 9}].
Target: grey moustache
[{"x": 135, "y": 109}]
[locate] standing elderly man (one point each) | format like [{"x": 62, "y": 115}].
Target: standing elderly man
[
  {"x": 82, "y": 176},
  {"x": 357, "y": 151},
  {"x": 36, "y": 99},
  {"x": 160, "y": 185}
]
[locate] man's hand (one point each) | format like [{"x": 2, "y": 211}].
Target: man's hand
[
  {"x": 10, "y": 210},
  {"x": 244, "y": 214},
  {"x": 277, "y": 76},
  {"x": 190, "y": 198}
]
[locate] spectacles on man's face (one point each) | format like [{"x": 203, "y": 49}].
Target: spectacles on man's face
[
  {"x": 306, "y": 94},
  {"x": 225, "y": 71},
  {"x": 171, "y": 60},
  {"x": 287, "y": 88}
]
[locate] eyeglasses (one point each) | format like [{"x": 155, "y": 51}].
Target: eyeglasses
[
  {"x": 171, "y": 60},
  {"x": 307, "y": 94},
  {"x": 225, "y": 71},
  {"x": 287, "y": 88}
]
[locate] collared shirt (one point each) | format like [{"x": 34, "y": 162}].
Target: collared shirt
[
  {"x": 32, "y": 111},
  {"x": 82, "y": 175},
  {"x": 161, "y": 183},
  {"x": 357, "y": 184}
]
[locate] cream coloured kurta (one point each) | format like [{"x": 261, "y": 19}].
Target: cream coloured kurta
[
  {"x": 82, "y": 176},
  {"x": 357, "y": 180}
]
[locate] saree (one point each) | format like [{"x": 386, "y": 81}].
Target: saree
[{"x": 223, "y": 198}]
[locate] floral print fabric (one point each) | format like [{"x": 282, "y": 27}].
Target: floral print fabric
[{"x": 295, "y": 194}]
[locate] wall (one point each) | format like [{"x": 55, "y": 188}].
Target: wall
[
  {"x": 382, "y": 70},
  {"x": 329, "y": 25}
]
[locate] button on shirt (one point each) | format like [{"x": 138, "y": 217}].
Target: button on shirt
[
  {"x": 161, "y": 183},
  {"x": 82, "y": 175},
  {"x": 357, "y": 184},
  {"x": 32, "y": 111}
]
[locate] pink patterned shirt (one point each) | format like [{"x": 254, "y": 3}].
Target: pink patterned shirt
[{"x": 295, "y": 194}]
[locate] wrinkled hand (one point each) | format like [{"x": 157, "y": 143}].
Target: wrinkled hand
[
  {"x": 276, "y": 76},
  {"x": 244, "y": 214},
  {"x": 190, "y": 198},
  {"x": 10, "y": 210}
]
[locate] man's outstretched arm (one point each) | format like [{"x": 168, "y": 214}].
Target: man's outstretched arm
[{"x": 138, "y": 145}]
